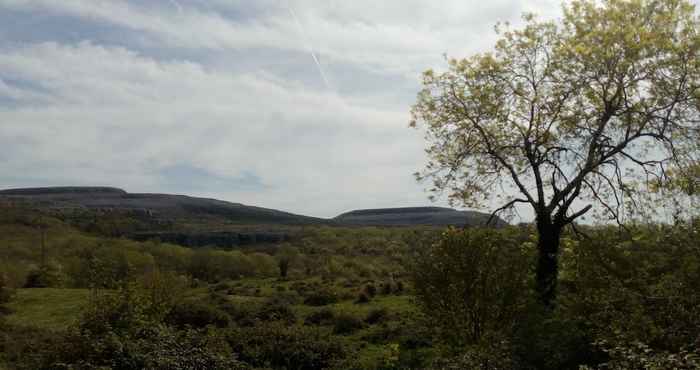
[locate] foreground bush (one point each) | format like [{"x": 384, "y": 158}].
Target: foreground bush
[
  {"x": 472, "y": 283},
  {"x": 281, "y": 346}
]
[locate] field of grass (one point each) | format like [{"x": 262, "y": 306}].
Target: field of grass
[{"x": 47, "y": 308}]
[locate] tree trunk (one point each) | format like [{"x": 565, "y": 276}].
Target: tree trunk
[{"x": 547, "y": 260}]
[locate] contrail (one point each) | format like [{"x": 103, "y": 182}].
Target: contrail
[
  {"x": 177, "y": 6},
  {"x": 308, "y": 41}
]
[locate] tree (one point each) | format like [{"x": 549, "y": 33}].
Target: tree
[
  {"x": 584, "y": 114},
  {"x": 286, "y": 255}
]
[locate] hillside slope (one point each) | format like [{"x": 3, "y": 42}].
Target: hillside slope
[
  {"x": 162, "y": 206},
  {"x": 409, "y": 216}
]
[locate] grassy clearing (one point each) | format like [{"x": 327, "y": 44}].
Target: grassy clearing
[{"x": 47, "y": 308}]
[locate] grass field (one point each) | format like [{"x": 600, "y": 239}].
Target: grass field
[{"x": 47, "y": 307}]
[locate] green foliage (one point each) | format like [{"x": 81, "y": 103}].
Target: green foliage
[
  {"x": 496, "y": 356},
  {"x": 6, "y": 292},
  {"x": 281, "y": 346},
  {"x": 323, "y": 316},
  {"x": 640, "y": 356},
  {"x": 637, "y": 286},
  {"x": 344, "y": 324},
  {"x": 286, "y": 256},
  {"x": 376, "y": 315},
  {"x": 196, "y": 314},
  {"x": 321, "y": 297},
  {"x": 276, "y": 311},
  {"x": 472, "y": 282}
]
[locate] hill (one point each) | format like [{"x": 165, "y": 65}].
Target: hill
[
  {"x": 170, "y": 207},
  {"x": 196, "y": 222},
  {"x": 411, "y": 216}
]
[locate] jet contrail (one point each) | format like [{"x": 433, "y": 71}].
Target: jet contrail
[
  {"x": 308, "y": 41},
  {"x": 177, "y": 6}
]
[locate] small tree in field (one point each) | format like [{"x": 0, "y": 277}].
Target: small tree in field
[
  {"x": 584, "y": 114},
  {"x": 286, "y": 256}
]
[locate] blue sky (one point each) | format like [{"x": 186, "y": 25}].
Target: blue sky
[{"x": 230, "y": 99}]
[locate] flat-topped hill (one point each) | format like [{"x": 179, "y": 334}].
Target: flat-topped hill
[
  {"x": 409, "y": 216},
  {"x": 166, "y": 206}
]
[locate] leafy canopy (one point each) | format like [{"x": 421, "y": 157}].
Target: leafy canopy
[{"x": 597, "y": 107}]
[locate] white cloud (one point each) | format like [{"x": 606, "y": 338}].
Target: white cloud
[
  {"x": 118, "y": 112},
  {"x": 396, "y": 36},
  {"x": 123, "y": 116}
]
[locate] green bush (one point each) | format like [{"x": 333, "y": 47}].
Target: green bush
[
  {"x": 346, "y": 324},
  {"x": 6, "y": 292},
  {"x": 321, "y": 297},
  {"x": 322, "y": 317},
  {"x": 640, "y": 356},
  {"x": 280, "y": 346},
  {"x": 49, "y": 276},
  {"x": 197, "y": 315},
  {"x": 276, "y": 311},
  {"x": 376, "y": 316},
  {"x": 472, "y": 283}
]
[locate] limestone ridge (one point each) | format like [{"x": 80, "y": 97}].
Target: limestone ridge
[
  {"x": 104, "y": 200},
  {"x": 414, "y": 216}
]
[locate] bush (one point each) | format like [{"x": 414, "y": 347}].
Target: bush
[
  {"x": 640, "y": 356},
  {"x": 276, "y": 311},
  {"x": 370, "y": 290},
  {"x": 198, "y": 315},
  {"x": 346, "y": 324},
  {"x": 49, "y": 276},
  {"x": 322, "y": 317},
  {"x": 494, "y": 356},
  {"x": 472, "y": 283},
  {"x": 280, "y": 346},
  {"x": 362, "y": 298},
  {"x": 321, "y": 297},
  {"x": 5, "y": 292},
  {"x": 376, "y": 315}
]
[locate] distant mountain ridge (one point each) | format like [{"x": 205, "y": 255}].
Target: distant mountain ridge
[
  {"x": 68, "y": 199},
  {"x": 410, "y": 216},
  {"x": 166, "y": 206}
]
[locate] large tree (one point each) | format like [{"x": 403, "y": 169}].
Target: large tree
[{"x": 583, "y": 114}]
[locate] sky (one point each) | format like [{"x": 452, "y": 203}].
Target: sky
[{"x": 298, "y": 105}]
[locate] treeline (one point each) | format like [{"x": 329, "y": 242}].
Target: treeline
[{"x": 40, "y": 251}]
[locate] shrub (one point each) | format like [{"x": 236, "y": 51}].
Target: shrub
[
  {"x": 198, "y": 315},
  {"x": 376, "y": 315},
  {"x": 5, "y": 292},
  {"x": 472, "y": 283},
  {"x": 281, "y": 346},
  {"x": 362, "y": 298},
  {"x": 386, "y": 288},
  {"x": 321, "y": 317},
  {"x": 640, "y": 356},
  {"x": 50, "y": 275},
  {"x": 321, "y": 297},
  {"x": 371, "y": 290},
  {"x": 494, "y": 356},
  {"x": 276, "y": 311},
  {"x": 346, "y": 324}
]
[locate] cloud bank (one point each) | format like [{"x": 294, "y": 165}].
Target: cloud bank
[{"x": 224, "y": 99}]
